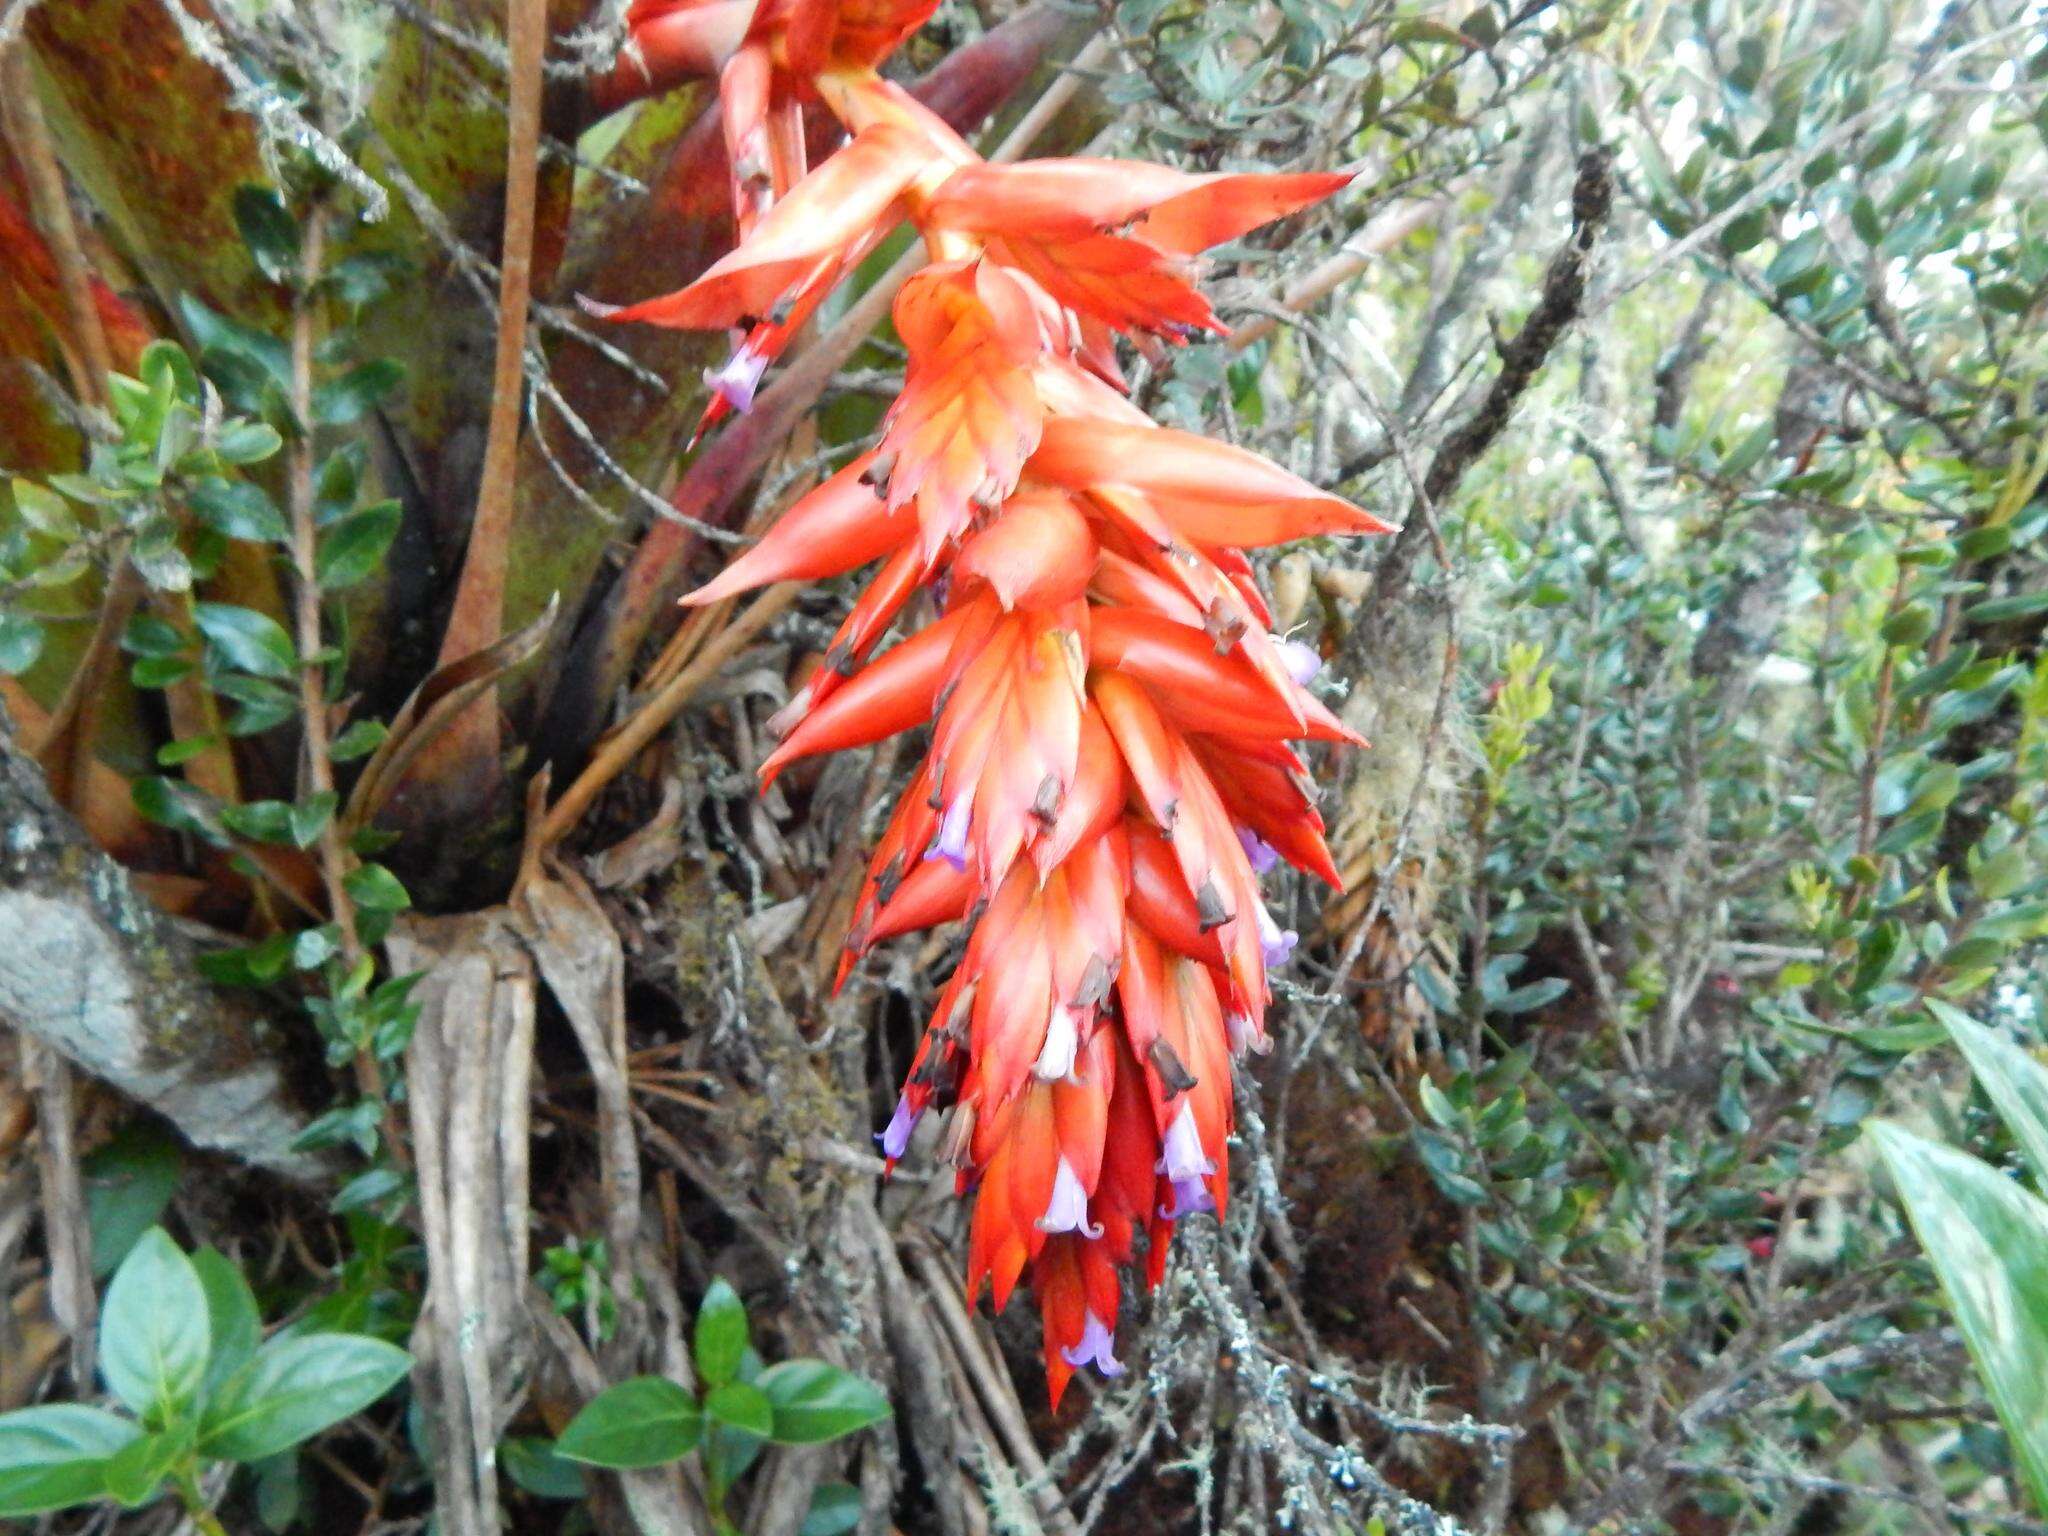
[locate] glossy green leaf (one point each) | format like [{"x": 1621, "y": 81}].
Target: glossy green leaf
[
  {"x": 269, "y": 230},
  {"x": 721, "y": 1334},
  {"x": 1987, "y": 1239},
  {"x": 154, "y": 1330},
  {"x": 232, "y": 1317},
  {"x": 534, "y": 1465},
  {"x": 294, "y": 1388},
  {"x": 815, "y": 1401},
  {"x": 644, "y": 1422},
  {"x": 239, "y": 510},
  {"x": 352, "y": 547},
  {"x": 244, "y": 638},
  {"x": 56, "y": 1455},
  {"x": 742, "y": 1406},
  {"x": 374, "y": 888},
  {"x": 128, "y": 1182},
  {"x": 135, "y": 1474}
]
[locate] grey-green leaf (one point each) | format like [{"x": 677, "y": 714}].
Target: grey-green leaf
[
  {"x": 644, "y": 1422},
  {"x": 296, "y": 1387},
  {"x": 835, "y": 1510},
  {"x": 55, "y": 1455},
  {"x": 154, "y": 1330},
  {"x": 1987, "y": 1239}
]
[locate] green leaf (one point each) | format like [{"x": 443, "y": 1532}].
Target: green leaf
[
  {"x": 128, "y": 1182},
  {"x": 294, "y": 1388},
  {"x": 280, "y": 1492},
  {"x": 154, "y": 1337},
  {"x": 44, "y": 510},
  {"x": 56, "y": 1455},
  {"x": 360, "y": 739},
  {"x": 352, "y": 547},
  {"x": 239, "y": 510},
  {"x": 309, "y": 817},
  {"x": 363, "y": 279},
  {"x": 644, "y": 1422},
  {"x": 21, "y": 642},
  {"x": 344, "y": 399},
  {"x": 742, "y": 1406},
  {"x": 135, "y": 1474},
  {"x": 835, "y": 1510},
  {"x": 2015, "y": 1083},
  {"x": 237, "y": 357},
  {"x": 1987, "y": 1240},
  {"x": 1999, "y": 609},
  {"x": 232, "y": 1318},
  {"x": 269, "y": 230},
  {"x": 247, "y": 442},
  {"x": 376, "y": 889},
  {"x": 1536, "y": 994},
  {"x": 534, "y": 1465},
  {"x": 246, "y": 639},
  {"x": 721, "y": 1334},
  {"x": 1910, "y": 626},
  {"x": 814, "y": 1401}
]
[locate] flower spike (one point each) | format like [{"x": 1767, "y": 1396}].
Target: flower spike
[{"x": 1112, "y": 762}]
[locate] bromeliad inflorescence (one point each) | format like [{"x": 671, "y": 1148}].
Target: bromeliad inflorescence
[{"x": 1110, "y": 771}]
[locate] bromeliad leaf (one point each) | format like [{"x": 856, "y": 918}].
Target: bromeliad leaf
[
  {"x": 56, "y": 1455},
  {"x": 294, "y": 1388},
  {"x": 154, "y": 1330},
  {"x": 644, "y": 1422},
  {"x": 1988, "y": 1242},
  {"x": 815, "y": 1402},
  {"x": 2016, "y": 1084}
]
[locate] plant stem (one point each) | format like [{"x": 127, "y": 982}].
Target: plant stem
[{"x": 335, "y": 858}]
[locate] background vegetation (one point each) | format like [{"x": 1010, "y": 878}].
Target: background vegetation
[{"x": 388, "y": 900}]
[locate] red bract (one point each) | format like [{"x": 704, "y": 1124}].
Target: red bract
[{"x": 1110, "y": 769}]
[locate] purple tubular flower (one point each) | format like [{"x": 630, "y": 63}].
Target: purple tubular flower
[
  {"x": 1262, "y": 853},
  {"x": 1184, "y": 1157},
  {"x": 1190, "y": 1198},
  {"x": 1275, "y": 943},
  {"x": 1246, "y": 1034},
  {"x": 951, "y": 843},
  {"x": 1094, "y": 1349},
  {"x": 1301, "y": 660},
  {"x": 1067, "y": 1210},
  {"x": 736, "y": 382},
  {"x": 895, "y": 1139}
]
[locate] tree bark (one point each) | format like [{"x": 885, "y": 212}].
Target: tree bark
[{"x": 94, "y": 971}]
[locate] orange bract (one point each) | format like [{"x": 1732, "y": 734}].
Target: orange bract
[{"x": 1110, "y": 768}]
